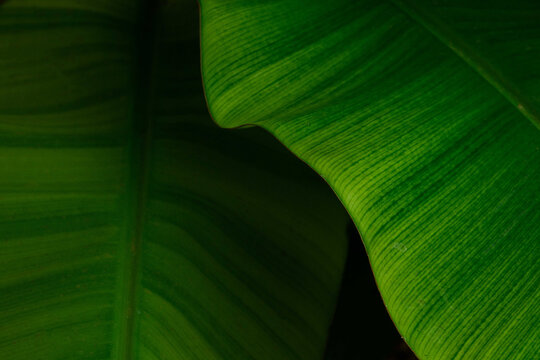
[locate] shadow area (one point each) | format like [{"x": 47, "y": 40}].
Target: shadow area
[{"x": 362, "y": 328}]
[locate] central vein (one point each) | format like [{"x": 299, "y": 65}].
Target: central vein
[
  {"x": 137, "y": 182},
  {"x": 459, "y": 46}
]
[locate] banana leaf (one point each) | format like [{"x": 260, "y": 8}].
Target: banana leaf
[
  {"x": 132, "y": 226},
  {"x": 423, "y": 117}
]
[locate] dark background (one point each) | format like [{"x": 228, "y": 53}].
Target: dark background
[{"x": 362, "y": 328}]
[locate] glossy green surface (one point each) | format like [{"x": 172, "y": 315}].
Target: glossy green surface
[
  {"x": 423, "y": 118},
  {"x": 131, "y": 226}
]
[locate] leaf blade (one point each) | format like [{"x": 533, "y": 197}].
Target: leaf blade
[
  {"x": 433, "y": 164},
  {"x": 220, "y": 274}
]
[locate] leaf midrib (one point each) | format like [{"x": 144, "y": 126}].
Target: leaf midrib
[
  {"x": 139, "y": 154},
  {"x": 472, "y": 57}
]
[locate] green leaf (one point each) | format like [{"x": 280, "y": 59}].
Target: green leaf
[
  {"x": 421, "y": 115},
  {"x": 131, "y": 226}
]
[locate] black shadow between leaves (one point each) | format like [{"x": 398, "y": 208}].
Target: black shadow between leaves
[{"x": 362, "y": 328}]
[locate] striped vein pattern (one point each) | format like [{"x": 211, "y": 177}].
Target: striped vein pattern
[
  {"x": 241, "y": 245},
  {"x": 233, "y": 265},
  {"x": 65, "y": 102},
  {"x": 437, "y": 168}
]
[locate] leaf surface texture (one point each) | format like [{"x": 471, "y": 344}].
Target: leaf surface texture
[
  {"x": 131, "y": 226},
  {"x": 422, "y": 116}
]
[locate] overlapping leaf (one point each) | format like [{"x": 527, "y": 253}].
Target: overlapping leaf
[{"x": 421, "y": 116}]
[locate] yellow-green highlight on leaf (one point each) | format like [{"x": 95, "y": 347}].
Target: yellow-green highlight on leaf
[{"x": 430, "y": 152}]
